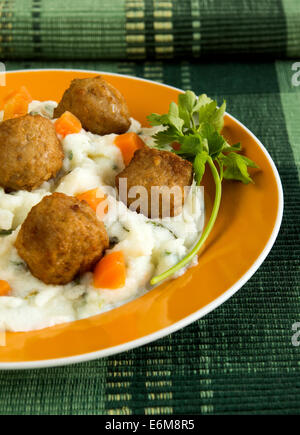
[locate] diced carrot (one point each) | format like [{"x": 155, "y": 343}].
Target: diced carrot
[
  {"x": 110, "y": 272},
  {"x": 94, "y": 197},
  {"x": 22, "y": 90},
  {"x": 176, "y": 146},
  {"x": 5, "y": 288},
  {"x": 67, "y": 124},
  {"x": 16, "y": 103},
  {"x": 128, "y": 144}
]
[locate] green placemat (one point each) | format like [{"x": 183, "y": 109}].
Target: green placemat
[
  {"x": 239, "y": 358},
  {"x": 148, "y": 29}
]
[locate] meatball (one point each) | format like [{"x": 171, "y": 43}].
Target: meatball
[
  {"x": 162, "y": 176},
  {"x": 61, "y": 238},
  {"x": 100, "y": 107},
  {"x": 30, "y": 152}
]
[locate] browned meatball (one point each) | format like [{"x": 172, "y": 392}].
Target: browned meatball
[
  {"x": 30, "y": 152},
  {"x": 60, "y": 238},
  {"x": 100, "y": 107},
  {"x": 151, "y": 167}
]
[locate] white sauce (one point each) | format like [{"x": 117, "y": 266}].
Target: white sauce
[{"x": 149, "y": 246}]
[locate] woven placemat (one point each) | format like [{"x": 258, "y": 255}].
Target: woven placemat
[
  {"x": 239, "y": 358},
  {"x": 148, "y": 29}
]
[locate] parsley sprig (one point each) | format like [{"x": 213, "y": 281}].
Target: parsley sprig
[{"x": 196, "y": 124}]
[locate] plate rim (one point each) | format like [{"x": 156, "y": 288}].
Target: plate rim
[{"x": 76, "y": 359}]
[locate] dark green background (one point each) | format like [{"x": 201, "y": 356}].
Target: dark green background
[{"x": 149, "y": 29}]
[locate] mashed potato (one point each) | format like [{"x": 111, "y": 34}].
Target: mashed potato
[{"x": 150, "y": 246}]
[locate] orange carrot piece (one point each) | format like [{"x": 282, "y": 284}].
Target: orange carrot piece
[
  {"x": 67, "y": 124},
  {"x": 93, "y": 197},
  {"x": 128, "y": 144},
  {"x": 176, "y": 146},
  {"x": 5, "y": 288},
  {"x": 16, "y": 103},
  {"x": 22, "y": 90},
  {"x": 110, "y": 272}
]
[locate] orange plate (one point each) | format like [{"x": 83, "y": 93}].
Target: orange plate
[{"x": 246, "y": 228}]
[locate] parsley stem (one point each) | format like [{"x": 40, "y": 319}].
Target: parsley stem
[{"x": 168, "y": 273}]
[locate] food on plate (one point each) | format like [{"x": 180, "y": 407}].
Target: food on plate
[
  {"x": 4, "y": 288},
  {"x": 16, "y": 103},
  {"x": 129, "y": 143},
  {"x": 99, "y": 106},
  {"x": 67, "y": 123},
  {"x": 30, "y": 152},
  {"x": 150, "y": 167},
  {"x": 110, "y": 272},
  {"x": 61, "y": 238},
  {"x": 92, "y": 197},
  {"x": 70, "y": 247}
]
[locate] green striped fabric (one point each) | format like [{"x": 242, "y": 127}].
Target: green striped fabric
[
  {"x": 148, "y": 29},
  {"x": 239, "y": 358}
]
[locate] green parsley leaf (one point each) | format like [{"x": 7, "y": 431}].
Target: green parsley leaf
[
  {"x": 218, "y": 118},
  {"x": 199, "y": 165},
  {"x": 156, "y": 119},
  {"x": 186, "y": 105},
  {"x": 203, "y": 100},
  {"x": 174, "y": 118},
  {"x": 166, "y": 137},
  {"x": 236, "y": 167},
  {"x": 196, "y": 124},
  {"x": 211, "y": 114},
  {"x": 188, "y": 100},
  {"x": 235, "y": 147},
  {"x": 206, "y": 113},
  {"x": 191, "y": 145},
  {"x": 216, "y": 142}
]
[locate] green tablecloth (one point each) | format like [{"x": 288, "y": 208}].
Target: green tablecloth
[
  {"x": 143, "y": 29},
  {"x": 239, "y": 358}
]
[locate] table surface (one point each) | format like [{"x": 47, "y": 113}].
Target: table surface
[
  {"x": 239, "y": 358},
  {"x": 144, "y": 29}
]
